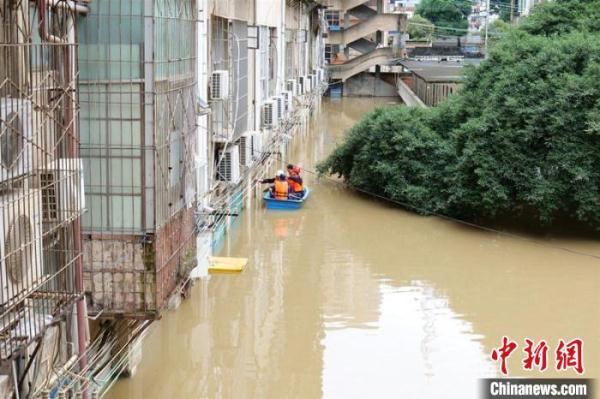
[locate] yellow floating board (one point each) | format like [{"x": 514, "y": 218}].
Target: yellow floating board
[{"x": 226, "y": 265}]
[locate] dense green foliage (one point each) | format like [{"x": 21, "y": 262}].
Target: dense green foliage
[
  {"x": 420, "y": 28},
  {"x": 451, "y": 17},
  {"x": 523, "y": 135}
]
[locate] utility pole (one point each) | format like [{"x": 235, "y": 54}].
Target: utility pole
[
  {"x": 487, "y": 19},
  {"x": 512, "y": 11}
]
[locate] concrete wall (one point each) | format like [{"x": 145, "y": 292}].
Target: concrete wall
[
  {"x": 269, "y": 12},
  {"x": 116, "y": 276},
  {"x": 135, "y": 275},
  {"x": 368, "y": 85},
  {"x": 408, "y": 96},
  {"x": 231, "y": 9}
]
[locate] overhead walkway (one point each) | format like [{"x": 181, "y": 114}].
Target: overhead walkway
[{"x": 354, "y": 66}]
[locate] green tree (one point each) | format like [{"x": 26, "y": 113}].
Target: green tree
[
  {"x": 449, "y": 16},
  {"x": 523, "y": 135},
  {"x": 420, "y": 28},
  {"x": 497, "y": 29}
]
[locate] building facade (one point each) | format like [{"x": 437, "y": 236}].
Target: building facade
[
  {"x": 361, "y": 36},
  {"x": 262, "y": 72},
  {"x": 42, "y": 311},
  {"x": 138, "y": 115}
]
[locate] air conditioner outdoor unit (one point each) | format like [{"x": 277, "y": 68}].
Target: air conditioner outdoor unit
[
  {"x": 313, "y": 81},
  {"x": 219, "y": 87},
  {"x": 20, "y": 243},
  {"x": 246, "y": 149},
  {"x": 228, "y": 167},
  {"x": 307, "y": 84},
  {"x": 280, "y": 101},
  {"x": 301, "y": 85},
  {"x": 292, "y": 86},
  {"x": 269, "y": 114},
  {"x": 62, "y": 187},
  {"x": 257, "y": 145},
  {"x": 288, "y": 97},
  {"x": 321, "y": 74},
  {"x": 16, "y": 133}
]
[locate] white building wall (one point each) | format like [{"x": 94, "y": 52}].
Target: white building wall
[
  {"x": 231, "y": 9},
  {"x": 203, "y": 240},
  {"x": 267, "y": 15},
  {"x": 270, "y": 12}
]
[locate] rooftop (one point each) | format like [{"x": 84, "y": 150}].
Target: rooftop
[{"x": 442, "y": 71}]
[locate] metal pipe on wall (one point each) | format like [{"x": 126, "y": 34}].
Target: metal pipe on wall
[
  {"x": 42, "y": 6},
  {"x": 70, "y": 71},
  {"x": 201, "y": 270},
  {"x": 70, "y": 5}
]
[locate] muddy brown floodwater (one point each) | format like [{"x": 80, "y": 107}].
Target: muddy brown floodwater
[{"x": 350, "y": 298}]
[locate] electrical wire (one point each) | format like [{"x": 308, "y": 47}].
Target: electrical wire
[
  {"x": 276, "y": 141},
  {"x": 245, "y": 192},
  {"x": 444, "y": 28},
  {"x": 456, "y": 220}
]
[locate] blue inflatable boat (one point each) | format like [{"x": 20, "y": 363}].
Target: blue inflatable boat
[{"x": 289, "y": 204}]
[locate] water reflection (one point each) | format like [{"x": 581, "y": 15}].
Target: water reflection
[
  {"x": 419, "y": 349},
  {"x": 350, "y": 298}
]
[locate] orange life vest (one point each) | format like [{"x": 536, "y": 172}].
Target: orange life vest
[
  {"x": 281, "y": 189},
  {"x": 296, "y": 187}
]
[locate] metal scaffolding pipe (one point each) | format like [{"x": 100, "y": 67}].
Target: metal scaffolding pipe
[{"x": 70, "y": 5}]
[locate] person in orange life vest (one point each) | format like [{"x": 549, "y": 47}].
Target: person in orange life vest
[
  {"x": 295, "y": 181},
  {"x": 280, "y": 189}
]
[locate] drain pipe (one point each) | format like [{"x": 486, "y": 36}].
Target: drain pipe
[
  {"x": 82, "y": 326},
  {"x": 42, "y": 7}
]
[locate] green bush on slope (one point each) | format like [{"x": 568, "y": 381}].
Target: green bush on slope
[{"x": 523, "y": 133}]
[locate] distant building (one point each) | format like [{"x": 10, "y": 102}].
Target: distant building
[
  {"x": 360, "y": 37},
  {"x": 525, "y": 6},
  {"x": 408, "y": 7}
]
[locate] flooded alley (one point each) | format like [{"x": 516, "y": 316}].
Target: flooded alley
[{"x": 352, "y": 298}]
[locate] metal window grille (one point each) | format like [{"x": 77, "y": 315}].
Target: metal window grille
[
  {"x": 38, "y": 131},
  {"x": 229, "y": 52},
  {"x": 137, "y": 89}
]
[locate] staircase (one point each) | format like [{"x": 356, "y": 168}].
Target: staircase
[
  {"x": 380, "y": 56},
  {"x": 363, "y": 45},
  {"x": 357, "y": 36},
  {"x": 362, "y": 12},
  {"x": 379, "y": 22}
]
